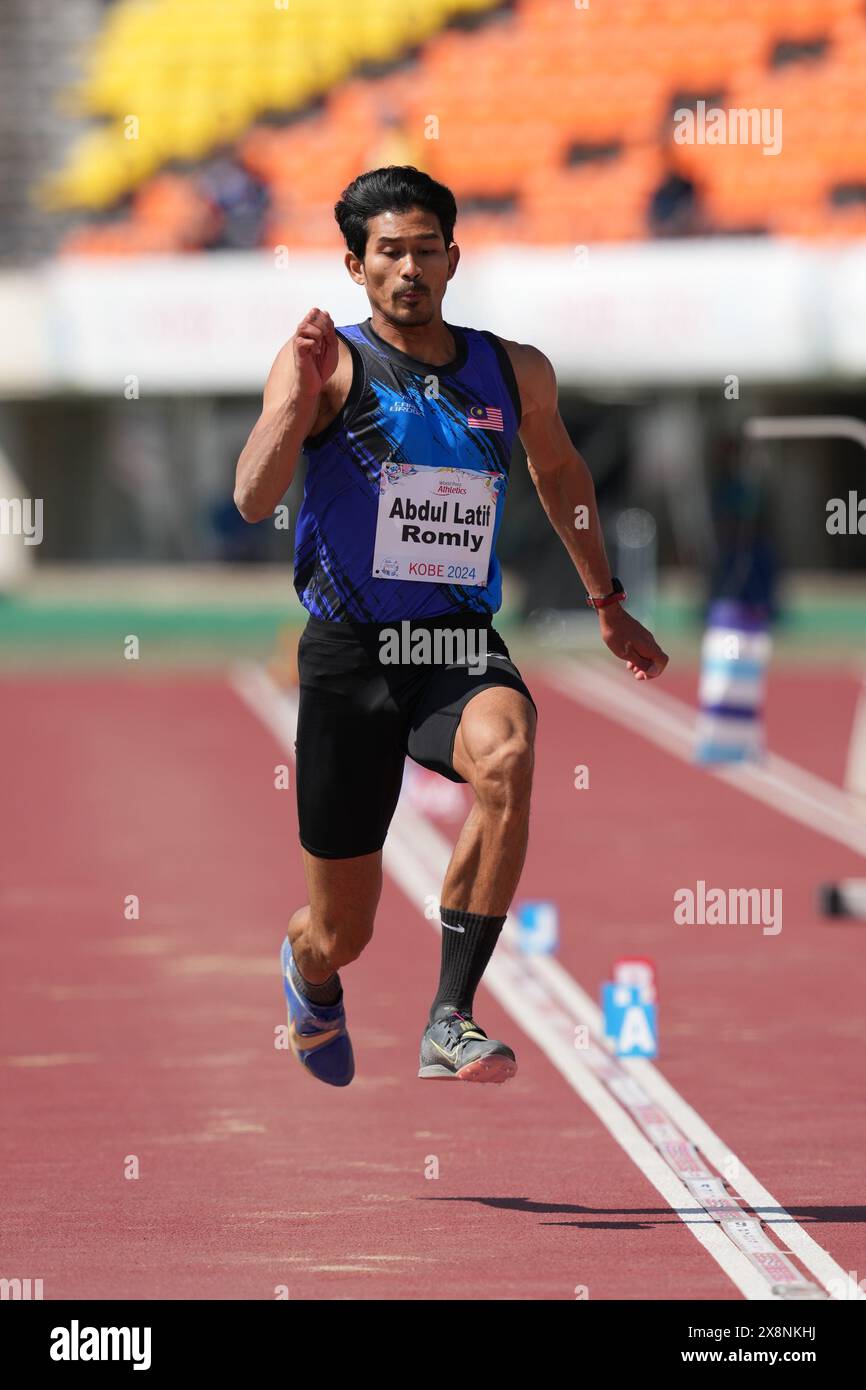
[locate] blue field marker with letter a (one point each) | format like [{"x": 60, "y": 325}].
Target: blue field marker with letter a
[{"x": 630, "y": 1021}]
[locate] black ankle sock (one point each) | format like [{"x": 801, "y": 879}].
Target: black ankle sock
[
  {"x": 328, "y": 992},
  {"x": 468, "y": 939}
]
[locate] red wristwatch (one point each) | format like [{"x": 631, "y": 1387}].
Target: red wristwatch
[{"x": 616, "y": 595}]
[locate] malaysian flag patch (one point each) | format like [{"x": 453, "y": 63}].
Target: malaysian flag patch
[{"x": 485, "y": 417}]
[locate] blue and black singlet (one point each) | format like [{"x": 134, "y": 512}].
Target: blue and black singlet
[{"x": 392, "y": 413}]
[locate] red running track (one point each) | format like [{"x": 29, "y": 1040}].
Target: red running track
[{"x": 153, "y": 1039}]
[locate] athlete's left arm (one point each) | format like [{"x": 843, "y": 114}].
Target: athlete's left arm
[{"x": 565, "y": 487}]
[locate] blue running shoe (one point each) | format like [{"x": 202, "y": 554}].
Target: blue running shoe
[{"x": 317, "y": 1032}]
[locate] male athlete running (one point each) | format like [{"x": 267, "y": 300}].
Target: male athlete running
[{"x": 408, "y": 423}]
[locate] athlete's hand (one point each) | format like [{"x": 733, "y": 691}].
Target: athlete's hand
[
  {"x": 315, "y": 352},
  {"x": 631, "y": 642}
]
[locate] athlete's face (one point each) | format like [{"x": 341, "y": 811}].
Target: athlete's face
[{"x": 406, "y": 266}]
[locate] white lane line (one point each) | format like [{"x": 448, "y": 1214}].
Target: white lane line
[
  {"x": 669, "y": 723},
  {"x": 416, "y": 857},
  {"x": 816, "y": 1259}
]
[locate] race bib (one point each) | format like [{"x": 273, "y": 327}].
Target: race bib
[{"x": 435, "y": 524}]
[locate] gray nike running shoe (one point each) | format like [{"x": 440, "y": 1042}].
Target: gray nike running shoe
[{"x": 455, "y": 1047}]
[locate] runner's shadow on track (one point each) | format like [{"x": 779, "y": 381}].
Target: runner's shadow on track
[
  {"x": 665, "y": 1214},
  {"x": 774, "y": 1216}
]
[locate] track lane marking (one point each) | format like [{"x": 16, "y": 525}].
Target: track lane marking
[{"x": 670, "y": 723}]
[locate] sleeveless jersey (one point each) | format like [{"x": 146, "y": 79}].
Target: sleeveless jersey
[{"x": 403, "y": 416}]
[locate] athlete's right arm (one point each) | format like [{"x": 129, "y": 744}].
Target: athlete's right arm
[{"x": 290, "y": 406}]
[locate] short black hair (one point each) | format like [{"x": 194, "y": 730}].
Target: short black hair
[{"x": 395, "y": 188}]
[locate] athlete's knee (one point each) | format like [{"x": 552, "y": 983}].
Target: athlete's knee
[
  {"x": 503, "y": 771},
  {"x": 342, "y": 936}
]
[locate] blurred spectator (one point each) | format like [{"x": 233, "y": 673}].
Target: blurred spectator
[
  {"x": 236, "y": 542},
  {"x": 674, "y": 209},
  {"x": 240, "y": 197},
  {"x": 747, "y": 564}
]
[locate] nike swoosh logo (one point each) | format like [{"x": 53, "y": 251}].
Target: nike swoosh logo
[
  {"x": 450, "y": 928},
  {"x": 305, "y": 1042},
  {"x": 452, "y": 1056}
]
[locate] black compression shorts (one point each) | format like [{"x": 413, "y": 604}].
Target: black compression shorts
[{"x": 359, "y": 716}]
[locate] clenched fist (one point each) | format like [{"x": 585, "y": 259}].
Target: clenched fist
[{"x": 315, "y": 352}]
